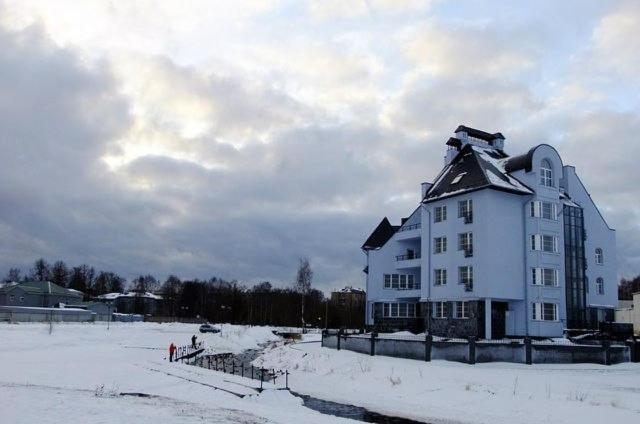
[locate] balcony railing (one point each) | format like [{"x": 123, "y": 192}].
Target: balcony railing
[
  {"x": 468, "y": 218},
  {"x": 410, "y": 227},
  {"x": 468, "y": 253},
  {"x": 408, "y": 257}
]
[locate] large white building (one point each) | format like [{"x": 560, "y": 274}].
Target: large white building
[{"x": 498, "y": 246}]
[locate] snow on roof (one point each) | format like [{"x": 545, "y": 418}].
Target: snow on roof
[
  {"x": 511, "y": 183},
  {"x": 113, "y": 296}
]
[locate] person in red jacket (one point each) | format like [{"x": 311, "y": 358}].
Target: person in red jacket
[{"x": 172, "y": 351}]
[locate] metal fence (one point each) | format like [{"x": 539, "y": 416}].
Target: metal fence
[
  {"x": 228, "y": 364},
  {"x": 470, "y": 350}
]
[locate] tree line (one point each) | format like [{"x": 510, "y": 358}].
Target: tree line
[{"x": 213, "y": 299}]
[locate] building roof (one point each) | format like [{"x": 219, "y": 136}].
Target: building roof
[
  {"x": 383, "y": 232},
  {"x": 350, "y": 289},
  {"x": 475, "y": 168},
  {"x": 483, "y": 135},
  {"x": 113, "y": 296},
  {"x": 41, "y": 288}
]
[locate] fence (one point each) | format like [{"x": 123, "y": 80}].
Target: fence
[
  {"x": 471, "y": 351},
  {"x": 34, "y": 314},
  {"x": 227, "y": 363},
  {"x": 183, "y": 353}
]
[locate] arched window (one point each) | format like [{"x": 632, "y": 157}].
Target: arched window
[
  {"x": 546, "y": 173},
  {"x": 599, "y": 256},
  {"x": 600, "y": 285}
]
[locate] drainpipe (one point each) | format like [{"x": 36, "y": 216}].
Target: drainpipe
[
  {"x": 428, "y": 256},
  {"x": 524, "y": 273}
]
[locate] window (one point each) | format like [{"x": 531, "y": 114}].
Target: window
[
  {"x": 440, "y": 309},
  {"x": 544, "y": 243},
  {"x": 599, "y": 257},
  {"x": 458, "y": 177},
  {"x": 440, "y": 277},
  {"x": 465, "y": 242},
  {"x": 440, "y": 244},
  {"x": 12, "y": 298},
  {"x": 545, "y": 210},
  {"x": 545, "y": 277},
  {"x": 440, "y": 214},
  {"x": 599, "y": 285},
  {"x": 399, "y": 310},
  {"x": 545, "y": 311},
  {"x": 461, "y": 310},
  {"x": 465, "y": 276},
  {"x": 465, "y": 210},
  {"x": 401, "y": 282},
  {"x": 21, "y": 299},
  {"x": 546, "y": 173}
]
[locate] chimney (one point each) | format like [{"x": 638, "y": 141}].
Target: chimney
[{"x": 425, "y": 188}]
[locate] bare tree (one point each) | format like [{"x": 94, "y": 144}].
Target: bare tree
[
  {"x": 13, "y": 275},
  {"x": 107, "y": 282},
  {"x": 60, "y": 274},
  {"x": 41, "y": 270},
  {"x": 303, "y": 284}
]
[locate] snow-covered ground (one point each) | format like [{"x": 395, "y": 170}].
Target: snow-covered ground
[
  {"x": 77, "y": 373},
  {"x": 453, "y": 392}
]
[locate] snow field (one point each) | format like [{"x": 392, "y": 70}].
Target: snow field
[
  {"x": 454, "y": 392},
  {"x": 79, "y": 370}
]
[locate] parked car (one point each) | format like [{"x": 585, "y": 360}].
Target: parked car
[{"x": 208, "y": 328}]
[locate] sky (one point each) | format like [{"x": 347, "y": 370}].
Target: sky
[{"x": 230, "y": 138}]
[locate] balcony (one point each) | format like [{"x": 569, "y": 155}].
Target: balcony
[
  {"x": 468, "y": 218},
  {"x": 410, "y": 260},
  {"x": 468, "y": 253},
  {"x": 409, "y": 232}
]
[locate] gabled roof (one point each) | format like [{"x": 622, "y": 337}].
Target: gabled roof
[
  {"x": 383, "y": 232},
  {"x": 475, "y": 168},
  {"x": 41, "y": 287}
]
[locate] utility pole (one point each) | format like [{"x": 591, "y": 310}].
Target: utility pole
[{"x": 326, "y": 315}]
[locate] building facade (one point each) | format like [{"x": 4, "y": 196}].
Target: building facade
[
  {"x": 498, "y": 246},
  {"x": 628, "y": 312},
  {"x": 40, "y": 294}
]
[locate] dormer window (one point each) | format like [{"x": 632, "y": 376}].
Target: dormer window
[
  {"x": 546, "y": 173},
  {"x": 458, "y": 177},
  {"x": 599, "y": 256}
]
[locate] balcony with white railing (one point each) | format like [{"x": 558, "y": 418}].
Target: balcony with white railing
[
  {"x": 409, "y": 232},
  {"x": 408, "y": 260}
]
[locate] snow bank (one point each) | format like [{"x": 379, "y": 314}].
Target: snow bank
[{"x": 437, "y": 391}]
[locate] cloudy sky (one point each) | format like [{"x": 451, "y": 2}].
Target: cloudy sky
[{"x": 228, "y": 138}]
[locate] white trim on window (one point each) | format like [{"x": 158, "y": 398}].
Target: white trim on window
[
  {"x": 599, "y": 256},
  {"x": 398, "y": 310},
  {"x": 440, "y": 277},
  {"x": 461, "y": 310},
  {"x": 400, "y": 282},
  {"x": 440, "y": 310},
  {"x": 600, "y": 285},
  {"x": 440, "y": 213},
  {"x": 544, "y": 311},
  {"x": 546, "y": 173},
  {"x": 544, "y": 243},
  {"x": 544, "y": 210},
  {"x": 439, "y": 245},
  {"x": 548, "y": 277}
]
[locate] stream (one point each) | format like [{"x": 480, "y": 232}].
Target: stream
[{"x": 324, "y": 406}]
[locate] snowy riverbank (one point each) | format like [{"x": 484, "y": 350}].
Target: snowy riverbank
[
  {"x": 79, "y": 370},
  {"x": 484, "y": 393}
]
